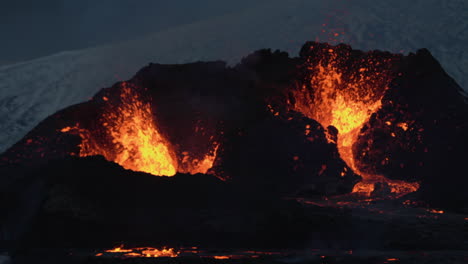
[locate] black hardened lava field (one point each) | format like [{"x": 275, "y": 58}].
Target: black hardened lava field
[{"x": 335, "y": 156}]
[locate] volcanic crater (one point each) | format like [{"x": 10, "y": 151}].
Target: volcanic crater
[{"x": 275, "y": 152}]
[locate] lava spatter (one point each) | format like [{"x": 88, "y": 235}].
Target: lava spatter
[{"x": 344, "y": 95}]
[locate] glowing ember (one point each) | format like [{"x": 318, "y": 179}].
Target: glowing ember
[
  {"x": 434, "y": 211},
  {"x": 346, "y": 101},
  {"x": 403, "y": 126},
  {"x": 221, "y": 257},
  {"x": 128, "y": 135}
]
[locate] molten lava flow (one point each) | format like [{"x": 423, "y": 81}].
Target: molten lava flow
[
  {"x": 150, "y": 252},
  {"x": 147, "y": 252},
  {"x": 346, "y": 101},
  {"x": 156, "y": 253},
  {"x": 127, "y": 134},
  {"x": 119, "y": 249}
]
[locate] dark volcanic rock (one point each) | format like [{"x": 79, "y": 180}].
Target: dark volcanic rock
[
  {"x": 93, "y": 202},
  {"x": 90, "y": 202},
  {"x": 279, "y": 154}
]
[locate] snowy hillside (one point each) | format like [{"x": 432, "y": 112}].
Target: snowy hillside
[{"x": 31, "y": 91}]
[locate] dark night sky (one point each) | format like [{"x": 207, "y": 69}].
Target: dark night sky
[{"x": 35, "y": 28}]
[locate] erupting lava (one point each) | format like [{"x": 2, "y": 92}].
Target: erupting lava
[
  {"x": 346, "y": 99},
  {"x": 128, "y": 135}
]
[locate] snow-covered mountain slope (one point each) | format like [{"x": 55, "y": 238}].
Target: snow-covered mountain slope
[{"x": 31, "y": 91}]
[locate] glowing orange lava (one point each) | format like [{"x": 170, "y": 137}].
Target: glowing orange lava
[
  {"x": 146, "y": 252},
  {"x": 193, "y": 166},
  {"x": 434, "y": 211},
  {"x": 156, "y": 253},
  {"x": 119, "y": 249},
  {"x": 150, "y": 252},
  {"x": 221, "y": 257},
  {"x": 129, "y": 136},
  {"x": 347, "y": 102}
]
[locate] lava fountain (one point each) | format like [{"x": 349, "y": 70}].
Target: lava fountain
[
  {"x": 128, "y": 134},
  {"x": 344, "y": 95}
]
